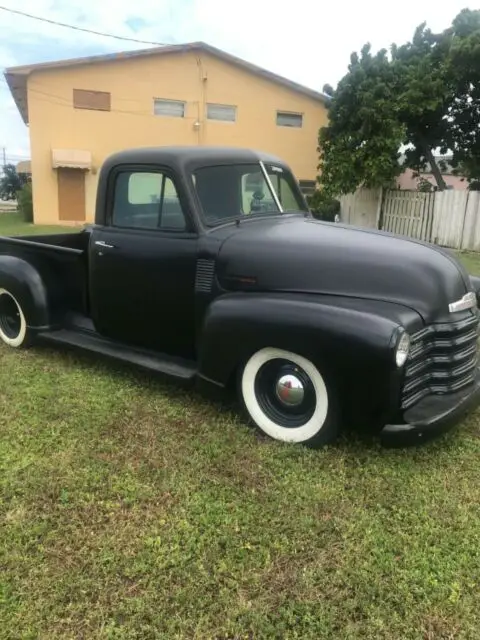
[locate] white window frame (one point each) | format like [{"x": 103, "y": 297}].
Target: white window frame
[
  {"x": 217, "y": 105},
  {"x": 292, "y": 114},
  {"x": 165, "y": 101}
]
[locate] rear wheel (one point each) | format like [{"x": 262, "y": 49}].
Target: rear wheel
[
  {"x": 288, "y": 399},
  {"x": 13, "y": 326}
]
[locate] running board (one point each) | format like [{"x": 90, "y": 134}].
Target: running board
[{"x": 87, "y": 341}]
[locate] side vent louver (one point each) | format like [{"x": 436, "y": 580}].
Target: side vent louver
[{"x": 204, "y": 275}]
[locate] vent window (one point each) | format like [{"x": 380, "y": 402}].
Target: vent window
[
  {"x": 169, "y": 108},
  {"x": 307, "y": 187},
  {"x": 223, "y": 112},
  {"x": 286, "y": 119}
]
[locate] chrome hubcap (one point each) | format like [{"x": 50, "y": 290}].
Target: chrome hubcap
[
  {"x": 285, "y": 393},
  {"x": 290, "y": 390}
]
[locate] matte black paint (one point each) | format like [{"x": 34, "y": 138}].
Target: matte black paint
[
  {"x": 213, "y": 295},
  {"x": 340, "y": 260}
]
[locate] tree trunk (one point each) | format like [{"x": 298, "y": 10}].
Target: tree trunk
[{"x": 437, "y": 174}]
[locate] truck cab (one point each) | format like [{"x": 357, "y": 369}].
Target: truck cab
[{"x": 204, "y": 264}]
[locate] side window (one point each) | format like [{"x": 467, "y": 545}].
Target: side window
[{"x": 147, "y": 200}]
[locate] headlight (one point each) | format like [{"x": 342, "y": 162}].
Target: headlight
[{"x": 402, "y": 350}]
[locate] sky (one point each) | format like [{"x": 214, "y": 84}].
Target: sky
[{"x": 307, "y": 41}]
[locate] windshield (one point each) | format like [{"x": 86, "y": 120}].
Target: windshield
[{"x": 230, "y": 191}]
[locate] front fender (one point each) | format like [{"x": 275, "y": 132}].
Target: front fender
[
  {"x": 355, "y": 345},
  {"x": 25, "y": 283}
]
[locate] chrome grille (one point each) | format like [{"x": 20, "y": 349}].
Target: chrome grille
[{"x": 443, "y": 359}]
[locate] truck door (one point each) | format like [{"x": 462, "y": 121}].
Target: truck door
[{"x": 142, "y": 264}]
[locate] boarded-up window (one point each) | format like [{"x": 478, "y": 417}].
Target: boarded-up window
[
  {"x": 286, "y": 119},
  {"x": 224, "y": 112},
  {"x": 96, "y": 100},
  {"x": 172, "y": 108}
]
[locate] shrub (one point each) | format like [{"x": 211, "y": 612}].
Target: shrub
[
  {"x": 25, "y": 202},
  {"x": 323, "y": 207}
]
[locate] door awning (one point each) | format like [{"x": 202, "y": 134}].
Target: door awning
[{"x": 71, "y": 159}]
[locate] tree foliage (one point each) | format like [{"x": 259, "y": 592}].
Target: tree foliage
[
  {"x": 465, "y": 110},
  {"x": 323, "y": 207},
  {"x": 11, "y": 182},
  {"x": 360, "y": 144},
  {"x": 25, "y": 202},
  {"x": 423, "y": 95}
]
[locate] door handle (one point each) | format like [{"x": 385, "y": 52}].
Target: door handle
[{"x": 104, "y": 245}]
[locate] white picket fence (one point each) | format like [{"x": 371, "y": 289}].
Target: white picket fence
[
  {"x": 361, "y": 208},
  {"x": 448, "y": 218}
]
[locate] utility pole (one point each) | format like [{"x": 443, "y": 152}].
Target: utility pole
[{"x": 4, "y": 157}]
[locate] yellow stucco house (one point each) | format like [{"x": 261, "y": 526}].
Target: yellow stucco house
[{"x": 80, "y": 111}]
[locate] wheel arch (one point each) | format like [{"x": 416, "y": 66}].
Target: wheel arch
[
  {"x": 349, "y": 341},
  {"x": 24, "y": 282}
]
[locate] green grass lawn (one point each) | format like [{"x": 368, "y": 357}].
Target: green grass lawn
[
  {"x": 471, "y": 260},
  {"x": 11, "y": 224},
  {"x": 131, "y": 509}
]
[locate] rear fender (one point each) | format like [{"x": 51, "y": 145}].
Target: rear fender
[{"x": 24, "y": 282}]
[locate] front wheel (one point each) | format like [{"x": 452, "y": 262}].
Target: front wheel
[
  {"x": 13, "y": 326},
  {"x": 288, "y": 399}
]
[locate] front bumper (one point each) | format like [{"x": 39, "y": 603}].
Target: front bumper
[{"x": 432, "y": 416}]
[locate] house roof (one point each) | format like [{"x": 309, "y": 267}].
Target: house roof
[{"x": 17, "y": 77}]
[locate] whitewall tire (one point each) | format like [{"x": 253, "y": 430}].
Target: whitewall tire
[
  {"x": 287, "y": 398},
  {"x": 13, "y": 325}
]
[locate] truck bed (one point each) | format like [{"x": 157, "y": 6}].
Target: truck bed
[
  {"x": 72, "y": 243},
  {"x": 60, "y": 259}
]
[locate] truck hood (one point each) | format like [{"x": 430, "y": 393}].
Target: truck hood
[{"x": 293, "y": 254}]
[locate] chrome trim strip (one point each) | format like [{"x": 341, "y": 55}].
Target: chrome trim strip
[
  {"x": 469, "y": 301},
  {"x": 270, "y": 186}
]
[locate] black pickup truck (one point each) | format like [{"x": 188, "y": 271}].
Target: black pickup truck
[{"x": 205, "y": 264}]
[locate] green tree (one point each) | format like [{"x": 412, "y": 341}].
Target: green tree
[
  {"x": 25, "y": 202},
  {"x": 424, "y": 96},
  {"x": 464, "y": 116},
  {"x": 361, "y": 142},
  {"x": 11, "y": 182}
]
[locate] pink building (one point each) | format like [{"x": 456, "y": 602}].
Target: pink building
[{"x": 406, "y": 180}]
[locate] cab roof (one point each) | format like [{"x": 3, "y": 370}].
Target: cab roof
[{"x": 189, "y": 158}]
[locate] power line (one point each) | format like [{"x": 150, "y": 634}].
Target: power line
[
  {"x": 63, "y": 102},
  {"x": 71, "y": 26},
  {"x": 52, "y": 98}
]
